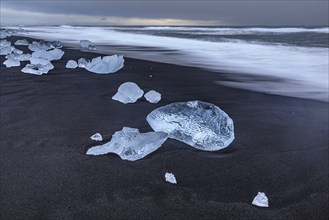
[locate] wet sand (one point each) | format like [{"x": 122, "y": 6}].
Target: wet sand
[{"x": 281, "y": 148}]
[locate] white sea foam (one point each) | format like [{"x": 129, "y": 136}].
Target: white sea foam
[{"x": 304, "y": 70}]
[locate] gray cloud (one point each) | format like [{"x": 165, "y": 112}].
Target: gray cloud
[{"x": 229, "y": 12}]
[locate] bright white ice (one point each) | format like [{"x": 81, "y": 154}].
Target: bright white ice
[
  {"x": 153, "y": 96},
  {"x": 260, "y": 200},
  {"x": 169, "y": 177},
  {"x": 128, "y": 92},
  {"x": 96, "y": 137}
]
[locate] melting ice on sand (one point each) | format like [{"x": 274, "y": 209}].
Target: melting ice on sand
[
  {"x": 37, "y": 69},
  {"x": 22, "y": 42},
  {"x": 169, "y": 177},
  {"x": 130, "y": 144},
  {"x": 260, "y": 200},
  {"x": 199, "y": 124},
  {"x": 152, "y": 96},
  {"x": 71, "y": 64},
  {"x": 105, "y": 65},
  {"x": 96, "y": 137},
  {"x": 87, "y": 45},
  {"x": 128, "y": 92}
]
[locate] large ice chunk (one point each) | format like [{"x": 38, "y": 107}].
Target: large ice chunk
[
  {"x": 5, "y": 47},
  {"x": 153, "y": 96},
  {"x": 37, "y": 69},
  {"x": 130, "y": 144},
  {"x": 260, "y": 200},
  {"x": 55, "y": 54},
  {"x": 199, "y": 124},
  {"x": 87, "y": 45},
  {"x": 71, "y": 64},
  {"x": 22, "y": 42},
  {"x": 105, "y": 65},
  {"x": 169, "y": 177},
  {"x": 128, "y": 92}
]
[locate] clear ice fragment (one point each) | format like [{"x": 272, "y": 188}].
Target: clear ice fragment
[{"x": 128, "y": 92}]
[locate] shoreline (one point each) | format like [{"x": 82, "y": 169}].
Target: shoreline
[{"x": 281, "y": 148}]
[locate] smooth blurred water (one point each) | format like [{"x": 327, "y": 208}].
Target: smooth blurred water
[{"x": 291, "y": 61}]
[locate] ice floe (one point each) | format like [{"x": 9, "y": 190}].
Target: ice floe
[
  {"x": 202, "y": 125},
  {"x": 22, "y": 42},
  {"x": 87, "y": 45},
  {"x": 153, "y": 96},
  {"x": 37, "y": 69},
  {"x": 169, "y": 177},
  {"x": 71, "y": 64},
  {"x": 96, "y": 137},
  {"x": 105, "y": 65},
  {"x": 128, "y": 92},
  {"x": 130, "y": 144},
  {"x": 260, "y": 200}
]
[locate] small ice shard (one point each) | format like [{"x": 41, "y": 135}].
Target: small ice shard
[
  {"x": 82, "y": 62},
  {"x": 128, "y": 92},
  {"x": 96, "y": 137},
  {"x": 37, "y": 69},
  {"x": 87, "y": 45},
  {"x": 130, "y": 144},
  {"x": 55, "y": 54},
  {"x": 105, "y": 65},
  {"x": 170, "y": 178},
  {"x": 22, "y": 42},
  {"x": 153, "y": 96},
  {"x": 71, "y": 64},
  {"x": 202, "y": 125},
  {"x": 12, "y": 62},
  {"x": 260, "y": 200}
]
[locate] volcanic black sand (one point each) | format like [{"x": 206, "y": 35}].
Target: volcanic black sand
[{"x": 281, "y": 148}]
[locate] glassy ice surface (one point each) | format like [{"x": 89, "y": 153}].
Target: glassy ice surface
[
  {"x": 128, "y": 92},
  {"x": 19, "y": 57},
  {"x": 55, "y": 54},
  {"x": 39, "y": 61},
  {"x": 96, "y": 137},
  {"x": 12, "y": 63},
  {"x": 37, "y": 69},
  {"x": 169, "y": 177},
  {"x": 45, "y": 45},
  {"x": 87, "y": 45},
  {"x": 260, "y": 200},
  {"x": 152, "y": 96},
  {"x": 199, "y": 124},
  {"x": 82, "y": 62},
  {"x": 130, "y": 144},
  {"x": 105, "y": 65},
  {"x": 71, "y": 64},
  {"x": 22, "y": 42}
]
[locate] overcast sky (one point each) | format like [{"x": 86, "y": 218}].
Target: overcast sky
[{"x": 169, "y": 12}]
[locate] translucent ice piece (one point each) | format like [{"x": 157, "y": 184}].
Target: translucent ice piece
[
  {"x": 11, "y": 62},
  {"x": 131, "y": 145},
  {"x": 82, "y": 62},
  {"x": 260, "y": 200},
  {"x": 37, "y": 69},
  {"x": 128, "y": 92},
  {"x": 5, "y": 33},
  {"x": 71, "y": 64},
  {"x": 169, "y": 177},
  {"x": 87, "y": 45},
  {"x": 199, "y": 124},
  {"x": 5, "y": 50},
  {"x": 105, "y": 65},
  {"x": 22, "y": 42},
  {"x": 153, "y": 96},
  {"x": 19, "y": 57},
  {"x": 96, "y": 137},
  {"x": 55, "y": 54}
]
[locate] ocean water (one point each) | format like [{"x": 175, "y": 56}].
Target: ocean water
[{"x": 288, "y": 61}]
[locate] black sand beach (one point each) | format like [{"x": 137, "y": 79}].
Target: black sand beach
[{"x": 281, "y": 148}]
